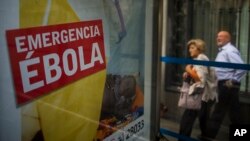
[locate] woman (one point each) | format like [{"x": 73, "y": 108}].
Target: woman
[{"x": 198, "y": 74}]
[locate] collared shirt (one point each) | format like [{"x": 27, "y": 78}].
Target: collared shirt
[{"x": 230, "y": 54}]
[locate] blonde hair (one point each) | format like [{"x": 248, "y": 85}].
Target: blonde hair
[{"x": 200, "y": 44}]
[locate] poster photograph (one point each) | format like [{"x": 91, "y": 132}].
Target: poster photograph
[{"x": 76, "y": 74}]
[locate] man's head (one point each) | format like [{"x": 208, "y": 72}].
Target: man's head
[{"x": 223, "y": 37}]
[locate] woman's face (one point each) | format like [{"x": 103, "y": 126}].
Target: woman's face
[{"x": 193, "y": 51}]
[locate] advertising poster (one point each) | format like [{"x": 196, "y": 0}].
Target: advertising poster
[
  {"x": 76, "y": 68},
  {"x": 122, "y": 111}
]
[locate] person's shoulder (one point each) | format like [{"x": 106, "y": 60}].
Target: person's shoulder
[
  {"x": 231, "y": 49},
  {"x": 202, "y": 56}
]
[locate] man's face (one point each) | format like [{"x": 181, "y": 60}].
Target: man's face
[{"x": 222, "y": 39}]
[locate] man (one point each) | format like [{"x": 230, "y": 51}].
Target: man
[{"x": 228, "y": 85}]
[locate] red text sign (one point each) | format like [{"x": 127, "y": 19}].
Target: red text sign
[{"x": 46, "y": 58}]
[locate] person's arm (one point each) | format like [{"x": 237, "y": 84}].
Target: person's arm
[
  {"x": 189, "y": 69},
  {"x": 234, "y": 57}
]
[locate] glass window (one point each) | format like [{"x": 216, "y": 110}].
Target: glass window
[{"x": 203, "y": 19}]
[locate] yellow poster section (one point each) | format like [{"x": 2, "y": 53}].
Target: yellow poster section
[{"x": 70, "y": 113}]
